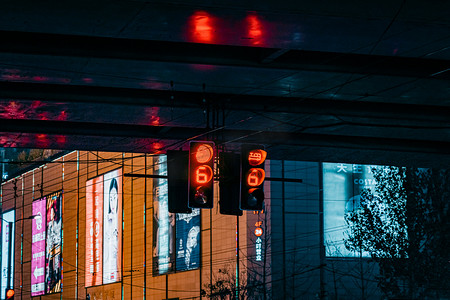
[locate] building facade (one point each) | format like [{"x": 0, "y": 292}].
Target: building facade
[{"x": 96, "y": 224}]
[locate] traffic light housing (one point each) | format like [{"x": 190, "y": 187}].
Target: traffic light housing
[
  {"x": 252, "y": 176},
  {"x": 229, "y": 184},
  {"x": 177, "y": 174},
  {"x": 201, "y": 175}
]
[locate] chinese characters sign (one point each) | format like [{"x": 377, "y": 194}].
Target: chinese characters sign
[
  {"x": 38, "y": 247},
  {"x": 342, "y": 186},
  {"x": 8, "y": 226},
  {"x": 94, "y": 231}
]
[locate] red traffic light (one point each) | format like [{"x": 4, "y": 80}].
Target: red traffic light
[
  {"x": 252, "y": 177},
  {"x": 9, "y": 294},
  {"x": 201, "y": 174},
  {"x": 256, "y": 157}
]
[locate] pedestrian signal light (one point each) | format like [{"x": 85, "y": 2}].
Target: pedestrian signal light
[
  {"x": 252, "y": 176},
  {"x": 9, "y": 294},
  {"x": 201, "y": 174}
]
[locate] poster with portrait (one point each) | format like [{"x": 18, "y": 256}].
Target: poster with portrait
[
  {"x": 163, "y": 222},
  {"x": 188, "y": 240},
  {"x": 342, "y": 187},
  {"x": 94, "y": 232},
  {"x": 112, "y": 226},
  {"x": 53, "y": 243},
  {"x": 38, "y": 247},
  {"x": 8, "y": 230}
]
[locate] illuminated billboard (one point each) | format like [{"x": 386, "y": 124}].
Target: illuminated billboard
[
  {"x": 112, "y": 226},
  {"x": 53, "y": 253},
  {"x": 188, "y": 240},
  {"x": 94, "y": 231},
  {"x": 163, "y": 222},
  {"x": 104, "y": 229},
  {"x": 38, "y": 247},
  {"x": 342, "y": 187},
  {"x": 8, "y": 226}
]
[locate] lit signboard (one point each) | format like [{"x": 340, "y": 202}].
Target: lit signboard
[
  {"x": 53, "y": 253},
  {"x": 112, "y": 226},
  {"x": 342, "y": 186},
  {"x": 94, "y": 231},
  {"x": 163, "y": 222},
  {"x": 7, "y": 276},
  {"x": 188, "y": 240},
  {"x": 38, "y": 247},
  {"x": 104, "y": 229}
]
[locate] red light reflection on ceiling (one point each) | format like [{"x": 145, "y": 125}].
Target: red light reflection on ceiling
[
  {"x": 62, "y": 116},
  {"x": 42, "y": 140},
  {"x": 255, "y": 29},
  {"x": 156, "y": 147},
  {"x": 152, "y": 116},
  {"x": 201, "y": 28},
  {"x": 39, "y": 78},
  {"x": 61, "y": 139},
  {"x": 87, "y": 80},
  {"x": 12, "y": 110}
]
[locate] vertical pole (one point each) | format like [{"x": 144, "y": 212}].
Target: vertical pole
[
  {"x": 321, "y": 234},
  {"x": 283, "y": 225},
  {"x": 21, "y": 242},
  {"x": 10, "y": 237},
  {"x": 78, "y": 221},
  {"x": 123, "y": 225},
  {"x": 167, "y": 286},
  {"x": 210, "y": 247},
  {"x": 145, "y": 228},
  {"x": 131, "y": 224},
  {"x": 237, "y": 258}
]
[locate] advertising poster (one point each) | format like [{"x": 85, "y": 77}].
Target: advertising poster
[
  {"x": 342, "y": 186},
  {"x": 94, "y": 231},
  {"x": 38, "y": 247},
  {"x": 53, "y": 244},
  {"x": 112, "y": 226},
  {"x": 8, "y": 226},
  {"x": 163, "y": 222},
  {"x": 188, "y": 240}
]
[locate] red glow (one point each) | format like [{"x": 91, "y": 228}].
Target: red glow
[
  {"x": 258, "y": 231},
  {"x": 255, "y": 177},
  {"x": 87, "y": 80},
  {"x": 61, "y": 139},
  {"x": 255, "y": 29},
  {"x": 43, "y": 116},
  {"x": 39, "y": 78},
  {"x": 204, "y": 153},
  {"x": 203, "y": 174},
  {"x": 42, "y": 140},
  {"x": 201, "y": 28},
  {"x": 256, "y": 157},
  {"x": 62, "y": 116},
  {"x": 13, "y": 110}
]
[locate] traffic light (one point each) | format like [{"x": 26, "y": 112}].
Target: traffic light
[
  {"x": 252, "y": 176},
  {"x": 177, "y": 174},
  {"x": 229, "y": 184},
  {"x": 9, "y": 293},
  {"x": 201, "y": 174}
]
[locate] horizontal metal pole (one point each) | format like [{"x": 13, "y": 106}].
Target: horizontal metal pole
[
  {"x": 295, "y": 180},
  {"x": 35, "y": 43}
]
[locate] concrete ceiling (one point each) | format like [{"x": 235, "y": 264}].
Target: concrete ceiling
[{"x": 363, "y": 82}]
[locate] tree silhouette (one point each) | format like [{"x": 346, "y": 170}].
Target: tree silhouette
[{"x": 404, "y": 225}]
